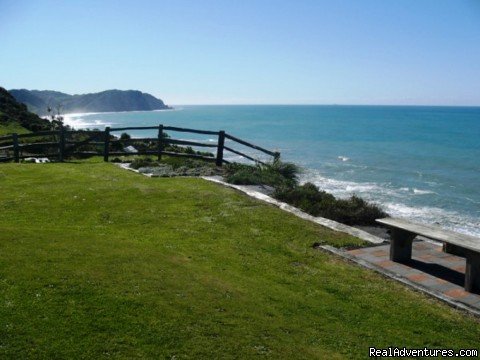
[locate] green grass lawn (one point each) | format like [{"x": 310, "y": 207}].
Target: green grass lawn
[{"x": 98, "y": 262}]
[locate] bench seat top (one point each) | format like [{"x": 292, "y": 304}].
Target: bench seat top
[{"x": 434, "y": 232}]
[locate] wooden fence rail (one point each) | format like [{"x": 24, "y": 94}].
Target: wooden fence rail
[{"x": 104, "y": 139}]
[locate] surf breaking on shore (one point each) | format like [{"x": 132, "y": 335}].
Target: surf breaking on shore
[{"x": 395, "y": 202}]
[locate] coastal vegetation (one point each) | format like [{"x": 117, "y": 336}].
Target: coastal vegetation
[
  {"x": 351, "y": 211},
  {"x": 277, "y": 174},
  {"x": 173, "y": 166},
  {"x": 15, "y": 117},
  {"x": 283, "y": 177},
  {"x": 99, "y": 262}
]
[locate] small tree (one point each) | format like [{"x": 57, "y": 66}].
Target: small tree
[{"x": 55, "y": 117}]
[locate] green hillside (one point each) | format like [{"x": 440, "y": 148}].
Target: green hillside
[
  {"x": 110, "y": 100},
  {"x": 15, "y": 117}
]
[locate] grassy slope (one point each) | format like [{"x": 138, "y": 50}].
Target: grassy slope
[
  {"x": 15, "y": 116},
  {"x": 97, "y": 262},
  {"x": 6, "y": 129}
]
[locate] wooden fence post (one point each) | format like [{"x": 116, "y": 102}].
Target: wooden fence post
[
  {"x": 15, "y": 148},
  {"x": 221, "y": 144},
  {"x": 61, "y": 143},
  {"x": 276, "y": 157},
  {"x": 106, "y": 144},
  {"x": 160, "y": 142}
]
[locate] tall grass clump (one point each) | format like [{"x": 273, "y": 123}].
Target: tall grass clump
[{"x": 278, "y": 174}]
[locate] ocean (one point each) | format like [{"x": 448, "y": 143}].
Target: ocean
[{"x": 417, "y": 162}]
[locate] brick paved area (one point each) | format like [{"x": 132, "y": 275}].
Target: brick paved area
[{"x": 430, "y": 267}]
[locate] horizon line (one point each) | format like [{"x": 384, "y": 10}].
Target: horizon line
[{"x": 320, "y": 104}]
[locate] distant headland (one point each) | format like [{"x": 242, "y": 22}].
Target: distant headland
[{"x": 39, "y": 101}]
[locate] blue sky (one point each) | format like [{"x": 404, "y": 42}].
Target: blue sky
[{"x": 248, "y": 51}]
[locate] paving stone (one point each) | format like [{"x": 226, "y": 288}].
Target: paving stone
[
  {"x": 430, "y": 282},
  {"x": 456, "y": 293},
  {"x": 420, "y": 246},
  {"x": 452, "y": 258},
  {"x": 385, "y": 263},
  {"x": 357, "y": 252},
  {"x": 418, "y": 277},
  {"x": 381, "y": 253},
  {"x": 430, "y": 267},
  {"x": 471, "y": 299},
  {"x": 371, "y": 258},
  {"x": 424, "y": 257},
  {"x": 401, "y": 270},
  {"x": 443, "y": 287}
]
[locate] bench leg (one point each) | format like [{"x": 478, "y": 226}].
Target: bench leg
[
  {"x": 453, "y": 249},
  {"x": 472, "y": 272},
  {"x": 401, "y": 245}
]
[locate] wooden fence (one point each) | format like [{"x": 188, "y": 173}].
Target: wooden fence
[{"x": 60, "y": 144}]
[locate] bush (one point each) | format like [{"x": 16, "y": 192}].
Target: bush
[
  {"x": 288, "y": 170},
  {"x": 142, "y": 162},
  {"x": 245, "y": 176},
  {"x": 352, "y": 211},
  {"x": 278, "y": 174},
  {"x": 177, "y": 162},
  {"x": 125, "y": 136}
]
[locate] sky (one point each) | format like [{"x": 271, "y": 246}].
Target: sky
[{"x": 398, "y": 52}]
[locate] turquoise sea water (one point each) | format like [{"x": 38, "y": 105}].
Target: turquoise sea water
[{"x": 421, "y": 163}]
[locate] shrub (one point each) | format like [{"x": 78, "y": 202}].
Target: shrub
[
  {"x": 177, "y": 162},
  {"x": 288, "y": 170},
  {"x": 245, "y": 176},
  {"x": 142, "y": 162},
  {"x": 352, "y": 211},
  {"x": 277, "y": 174},
  {"x": 125, "y": 136}
]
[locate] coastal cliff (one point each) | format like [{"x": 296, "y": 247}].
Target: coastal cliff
[{"x": 39, "y": 101}]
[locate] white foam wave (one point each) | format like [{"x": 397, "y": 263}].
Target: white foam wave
[
  {"x": 343, "y": 189},
  {"x": 416, "y": 191},
  {"x": 423, "y": 192},
  {"x": 431, "y": 215},
  {"x": 77, "y": 121},
  {"x": 394, "y": 201},
  {"x": 343, "y": 158},
  {"x": 236, "y": 158}
]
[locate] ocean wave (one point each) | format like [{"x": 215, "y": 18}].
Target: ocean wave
[
  {"x": 77, "y": 121},
  {"x": 450, "y": 220},
  {"x": 396, "y": 201},
  {"x": 343, "y": 188},
  {"x": 416, "y": 191},
  {"x": 423, "y": 192},
  {"x": 235, "y": 158},
  {"x": 343, "y": 158}
]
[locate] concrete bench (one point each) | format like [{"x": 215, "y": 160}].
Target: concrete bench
[{"x": 403, "y": 232}]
